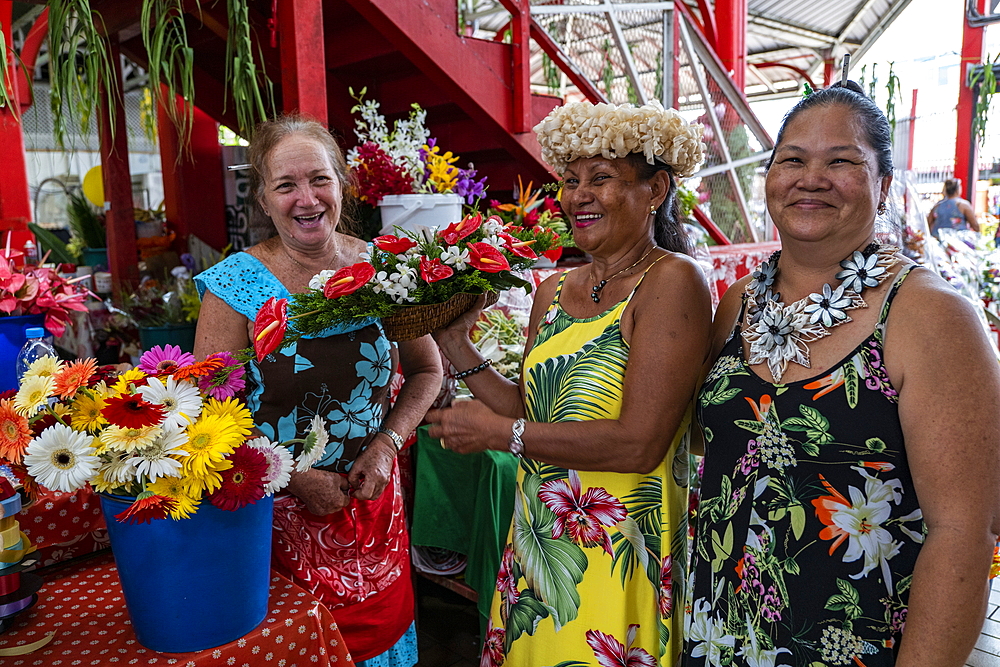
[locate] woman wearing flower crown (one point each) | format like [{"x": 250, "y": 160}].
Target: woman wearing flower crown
[
  {"x": 596, "y": 554},
  {"x": 852, "y": 430},
  {"x": 340, "y": 532}
]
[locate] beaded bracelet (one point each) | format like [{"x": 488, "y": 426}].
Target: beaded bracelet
[{"x": 472, "y": 371}]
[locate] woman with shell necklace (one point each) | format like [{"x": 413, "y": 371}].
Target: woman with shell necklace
[
  {"x": 849, "y": 499},
  {"x": 596, "y": 554}
]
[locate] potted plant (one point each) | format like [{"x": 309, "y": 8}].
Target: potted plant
[
  {"x": 89, "y": 238},
  {"x": 165, "y": 312}
]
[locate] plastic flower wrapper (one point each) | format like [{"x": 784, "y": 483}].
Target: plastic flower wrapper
[
  {"x": 500, "y": 337},
  {"x": 474, "y": 255},
  {"x": 149, "y": 434}
]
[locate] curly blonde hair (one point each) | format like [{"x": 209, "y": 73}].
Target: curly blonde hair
[{"x": 582, "y": 129}]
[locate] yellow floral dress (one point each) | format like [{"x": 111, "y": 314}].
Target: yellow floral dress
[{"x": 594, "y": 560}]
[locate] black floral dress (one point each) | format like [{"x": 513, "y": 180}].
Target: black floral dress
[{"x": 808, "y": 527}]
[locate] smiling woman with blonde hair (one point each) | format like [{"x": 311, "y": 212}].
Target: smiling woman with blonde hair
[{"x": 595, "y": 560}]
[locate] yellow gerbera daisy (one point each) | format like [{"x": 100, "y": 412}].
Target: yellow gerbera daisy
[
  {"x": 33, "y": 394},
  {"x": 87, "y": 411},
  {"x": 176, "y": 488},
  {"x": 60, "y": 410},
  {"x": 211, "y": 481},
  {"x": 130, "y": 376},
  {"x": 45, "y": 366},
  {"x": 128, "y": 440},
  {"x": 210, "y": 439},
  {"x": 233, "y": 408}
]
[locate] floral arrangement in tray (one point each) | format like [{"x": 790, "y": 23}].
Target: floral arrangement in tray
[
  {"x": 32, "y": 290},
  {"x": 168, "y": 433},
  {"x": 470, "y": 257},
  {"x": 531, "y": 209},
  {"x": 404, "y": 160}
]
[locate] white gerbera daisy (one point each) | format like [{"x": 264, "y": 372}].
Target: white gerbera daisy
[
  {"x": 128, "y": 440},
  {"x": 181, "y": 399},
  {"x": 62, "y": 459},
  {"x": 313, "y": 445},
  {"x": 157, "y": 460},
  {"x": 279, "y": 463},
  {"x": 118, "y": 470},
  {"x": 33, "y": 394},
  {"x": 44, "y": 366}
]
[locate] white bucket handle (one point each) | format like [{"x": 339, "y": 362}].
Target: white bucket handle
[{"x": 410, "y": 208}]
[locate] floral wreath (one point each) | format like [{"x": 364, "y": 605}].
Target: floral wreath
[{"x": 582, "y": 129}]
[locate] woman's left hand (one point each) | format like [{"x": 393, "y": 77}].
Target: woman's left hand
[
  {"x": 372, "y": 470},
  {"x": 466, "y": 427}
]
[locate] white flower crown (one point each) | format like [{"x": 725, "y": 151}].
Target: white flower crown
[{"x": 582, "y": 129}]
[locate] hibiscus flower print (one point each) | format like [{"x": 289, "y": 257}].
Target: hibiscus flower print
[
  {"x": 612, "y": 653},
  {"x": 493, "y": 655},
  {"x": 356, "y": 417},
  {"x": 583, "y": 517},
  {"x": 377, "y": 363},
  {"x": 666, "y": 598},
  {"x": 506, "y": 581}
]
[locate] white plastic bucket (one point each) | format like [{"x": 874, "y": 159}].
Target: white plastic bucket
[{"x": 419, "y": 212}]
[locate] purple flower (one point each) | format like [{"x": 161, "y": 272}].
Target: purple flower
[{"x": 467, "y": 186}]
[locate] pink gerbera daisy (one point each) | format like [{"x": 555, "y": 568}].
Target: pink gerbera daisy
[
  {"x": 164, "y": 359},
  {"x": 225, "y": 382}
]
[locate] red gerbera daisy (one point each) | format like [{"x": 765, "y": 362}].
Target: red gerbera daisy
[
  {"x": 130, "y": 411},
  {"x": 242, "y": 484},
  {"x": 147, "y": 507},
  {"x": 74, "y": 375},
  {"x": 15, "y": 433}
]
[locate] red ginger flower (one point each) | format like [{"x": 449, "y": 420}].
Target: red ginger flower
[
  {"x": 146, "y": 508},
  {"x": 132, "y": 411},
  {"x": 269, "y": 326},
  {"x": 463, "y": 228},
  {"x": 397, "y": 245},
  {"x": 348, "y": 279},
  {"x": 485, "y": 257},
  {"x": 582, "y": 516},
  {"x": 432, "y": 270},
  {"x": 242, "y": 484}
]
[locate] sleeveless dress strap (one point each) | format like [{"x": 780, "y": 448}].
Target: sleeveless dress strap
[{"x": 905, "y": 271}]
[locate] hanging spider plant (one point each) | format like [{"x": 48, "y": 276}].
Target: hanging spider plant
[
  {"x": 242, "y": 74},
  {"x": 6, "y": 80},
  {"x": 171, "y": 62},
  {"x": 81, "y": 73}
]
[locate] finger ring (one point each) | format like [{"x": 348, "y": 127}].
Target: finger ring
[{"x": 441, "y": 440}]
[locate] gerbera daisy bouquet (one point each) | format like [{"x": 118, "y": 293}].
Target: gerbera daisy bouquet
[
  {"x": 414, "y": 282},
  {"x": 169, "y": 433}
]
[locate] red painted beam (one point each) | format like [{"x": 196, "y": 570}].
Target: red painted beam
[
  {"x": 29, "y": 54},
  {"x": 303, "y": 67},
  {"x": 193, "y": 188},
  {"x": 566, "y": 64},
  {"x": 717, "y": 234},
  {"x": 520, "y": 22},
  {"x": 966, "y": 145},
  {"x": 707, "y": 23},
  {"x": 15, "y": 201},
  {"x": 120, "y": 221},
  {"x": 731, "y": 38},
  {"x": 798, "y": 70}
]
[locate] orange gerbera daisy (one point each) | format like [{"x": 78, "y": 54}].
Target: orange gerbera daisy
[
  {"x": 74, "y": 375},
  {"x": 198, "y": 369},
  {"x": 15, "y": 433}
]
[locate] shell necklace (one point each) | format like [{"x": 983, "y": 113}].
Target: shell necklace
[
  {"x": 778, "y": 334},
  {"x": 595, "y": 291}
]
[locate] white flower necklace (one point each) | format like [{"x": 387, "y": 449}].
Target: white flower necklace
[{"x": 778, "y": 333}]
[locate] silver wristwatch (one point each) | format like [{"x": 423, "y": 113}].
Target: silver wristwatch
[
  {"x": 516, "y": 445},
  {"x": 395, "y": 437}
]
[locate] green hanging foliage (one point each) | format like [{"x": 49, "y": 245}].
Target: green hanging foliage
[
  {"x": 985, "y": 78},
  {"x": 551, "y": 73},
  {"x": 171, "y": 62},
  {"x": 6, "y": 80},
  {"x": 81, "y": 72},
  {"x": 243, "y": 76}
]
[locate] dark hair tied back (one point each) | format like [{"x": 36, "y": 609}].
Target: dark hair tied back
[
  {"x": 668, "y": 231},
  {"x": 870, "y": 118}
]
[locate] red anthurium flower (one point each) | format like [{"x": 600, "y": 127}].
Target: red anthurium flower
[
  {"x": 395, "y": 244},
  {"x": 485, "y": 257},
  {"x": 348, "y": 279},
  {"x": 553, "y": 253},
  {"x": 147, "y": 508},
  {"x": 463, "y": 228},
  {"x": 432, "y": 270},
  {"x": 269, "y": 326},
  {"x": 582, "y": 516},
  {"x": 519, "y": 247}
]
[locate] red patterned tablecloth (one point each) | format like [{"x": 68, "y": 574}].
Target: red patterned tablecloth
[
  {"x": 83, "y": 604},
  {"x": 65, "y": 525},
  {"x": 732, "y": 262}
]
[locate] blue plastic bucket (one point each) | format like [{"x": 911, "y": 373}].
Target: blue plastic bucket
[
  {"x": 196, "y": 583},
  {"x": 11, "y": 341}
]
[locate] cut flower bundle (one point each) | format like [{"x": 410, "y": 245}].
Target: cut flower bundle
[
  {"x": 403, "y": 273},
  {"x": 168, "y": 433}
]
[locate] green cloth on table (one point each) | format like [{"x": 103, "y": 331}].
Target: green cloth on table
[{"x": 464, "y": 503}]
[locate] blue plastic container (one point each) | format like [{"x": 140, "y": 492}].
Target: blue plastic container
[{"x": 196, "y": 583}]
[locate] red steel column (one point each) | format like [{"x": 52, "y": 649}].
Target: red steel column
[
  {"x": 15, "y": 200},
  {"x": 303, "y": 63},
  {"x": 967, "y": 146},
  {"x": 731, "y": 45},
  {"x": 520, "y": 26},
  {"x": 123, "y": 256},
  {"x": 193, "y": 188}
]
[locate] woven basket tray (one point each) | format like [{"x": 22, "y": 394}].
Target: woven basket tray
[{"x": 416, "y": 321}]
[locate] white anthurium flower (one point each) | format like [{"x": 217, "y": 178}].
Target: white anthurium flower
[
  {"x": 455, "y": 257},
  {"x": 829, "y": 307},
  {"x": 861, "y": 272},
  {"x": 318, "y": 281}
]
